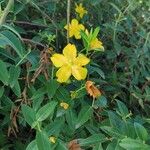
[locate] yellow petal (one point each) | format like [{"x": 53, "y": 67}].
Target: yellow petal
[
  {"x": 70, "y": 52},
  {"x": 58, "y": 60},
  {"x": 87, "y": 32},
  {"x": 81, "y": 27},
  {"x": 82, "y": 14},
  {"x": 74, "y": 22},
  {"x": 64, "y": 105},
  {"x": 52, "y": 139},
  {"x": 79, "y": 73},
  {"x": 81, "y": 60},
  {"x": 63, "y": 74},
  {"x": 96, "y": 44},
  {"x": 77, "y": 35}
]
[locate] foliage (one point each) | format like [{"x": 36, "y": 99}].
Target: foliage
[{"x": 37, "y": 112}]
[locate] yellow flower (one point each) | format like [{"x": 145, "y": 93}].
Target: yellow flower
[
  {"x": 95, "y": 43},
  {"x": 75, "y": 28},
  {"x": 64, "y": 105},
  {"x": 70, "y": 64},
  {"x": 52, "y": 139},
  {"x": 80, "y": 10}
]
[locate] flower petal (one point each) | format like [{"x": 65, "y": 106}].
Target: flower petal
[
  {"x": 58, "y": 60},
  {"x": 77, "y": 35},
  {"x": 74, "y": 22},
  {"x": 70, "y": 52},
  {"x": 81, "y": 60},
  {"x": 81, "y": 26},
  {"x": 96, "y": 44},
  {"x": 78, "y": 72},
  {"x": 71, "y": 30},
  {"x": 63, "y": 74}
]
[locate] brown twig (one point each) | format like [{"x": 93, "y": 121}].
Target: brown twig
[
  {"x": 27, "y": 23},
  {"x": 33, "y": 42}
]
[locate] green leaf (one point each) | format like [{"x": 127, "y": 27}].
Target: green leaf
[
  {"x": 115, "y": 121},
  {"x": 16, "y": 89},
  {"x": 13, "y": 41},
  {"x": 14, "y": 75},
  {"x": 141, "y": 131},
  {"x": 62, "y": 94},
  {"x": 95, "y": 33},
  {"x": 12, "y": 30},
  {"x": 32, "y": 146},
  {"x": 52, "y": 86},
  {"x": 93, "y": 139},
  {"x": 29, "y": 115},
  {"x": 133, "y": 144},
  {"x": 71, "y": 119},
  {"x": 98, "y": 147},
  {"x": 39, "y": 93},
  {"x": 55, "y": 127},
  {"x": 61, "y": 146},
  {"x": 45, "y": 111},
  {"x": 122, "y": 108},
  {"x": 116, "y": 7},
  {"x": 5, "y": 53},
  {"x": 42, "y": 141},
  {"x": 37, "y": 103},
  {"x": 101, "y": 102},
  {"x": 4, "y": 76},
  {"x": 114, "y": 145},
  {"x": 97, "y": 70},
  {"x": 112, "y": 132},
  {"x": 84, "y": 116},
  {"x": 1, "y": 91}
]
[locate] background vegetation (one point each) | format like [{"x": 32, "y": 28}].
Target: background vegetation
[{"x": 29, "y": 94}]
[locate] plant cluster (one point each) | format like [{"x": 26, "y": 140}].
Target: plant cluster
[{"x": 75, "y": 82}]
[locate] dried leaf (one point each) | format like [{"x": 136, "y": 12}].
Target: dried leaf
[
  {"x": 92, "y": 90},
  {"x": 73, "y": 145},
  {"x": 44, "y": 62}
]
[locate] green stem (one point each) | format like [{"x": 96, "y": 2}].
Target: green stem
[
  {"x": 119, "y": 20},
  {"x": 116, "y": 24},
  {"x": 68, "y": 19},
  {"x": 93, "y": 102},
  {"x": 80, "y": 89},
  {"x": 52, "y": 73},
  {"x": 147, "y": 38},
  {"x": 38, "y": 127},
  {"x": 6, "y": 11},
  {"x": 23, "y": 58}
]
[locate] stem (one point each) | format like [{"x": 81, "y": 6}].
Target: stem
[
  {"x": 93, "y": 102},
  {"x": 116, "y": 24},
  {"x": 119, "y": 20},
  {"x": 52, "y": 73},
  {"x": 83, "y": 87},
  {"x": 68, "y": 19},
  {"x": 6, "y": 11},
  {"x": 38, "y": 127},
  {"x": 147, "y": 37},
  {"x": 23, "y": 58}
]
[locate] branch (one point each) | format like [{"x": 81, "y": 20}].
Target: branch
[
  {"x": 27, "y": 23},
  {"x": 6, "y": 11},
  {"x": 33, "y": 42}
]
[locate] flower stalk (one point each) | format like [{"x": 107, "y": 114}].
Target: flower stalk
[
  {"x": 6, "y": 11},
  {"x": 68, "y": 19}
]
